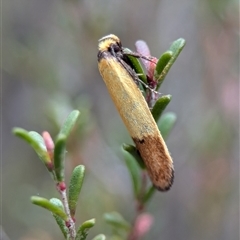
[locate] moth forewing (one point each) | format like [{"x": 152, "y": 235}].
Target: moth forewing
[{"x": 136, "y": 115}]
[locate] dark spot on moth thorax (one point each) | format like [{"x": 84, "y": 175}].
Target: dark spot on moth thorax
[{"x": 141, "y": 141}]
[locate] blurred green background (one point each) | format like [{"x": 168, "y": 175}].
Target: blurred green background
[{"x": 49, "y": 67}]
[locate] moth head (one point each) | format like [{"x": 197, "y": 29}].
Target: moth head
[{"x": 110, "y": 43}]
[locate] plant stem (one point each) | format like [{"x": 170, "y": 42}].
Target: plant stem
[
  {"x": 70, "y": 223},
  {"x": 140, "y": 206}
]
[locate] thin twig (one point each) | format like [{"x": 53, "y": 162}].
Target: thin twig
[{"x": 70, "y": 221}]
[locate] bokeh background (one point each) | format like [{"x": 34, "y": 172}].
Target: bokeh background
[{"x": 49, "y": 67}]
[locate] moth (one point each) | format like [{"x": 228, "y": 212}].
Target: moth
[{"x": 120, "y": 80}]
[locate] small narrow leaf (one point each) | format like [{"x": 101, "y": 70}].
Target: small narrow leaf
[
  {"x": 36, "y": 141},
  {"x": 61, "y": 223},
  {"x": 82, "y": 232},
  {"x": 166, "y": 123},
  {"x": 134, "y": 170},
  {"x": 175, "y": 48},
  {"x": 69, "y": 123},
  {"x": 160, "y": 105},
  {"x": 136, "y": 65},
  {"x": 75, "y": 187},
  {"x": 116, "y": 220},
  {"x": 100, "y": 237},
  {"x": 134, "y": 152},
  {"x": 59, "y": 156},
  {"x": 45, "y": 203},
  {"x": 162, "y": 63},
  {"x": 57, "y": 202}
]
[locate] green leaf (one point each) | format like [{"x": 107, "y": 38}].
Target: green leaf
[
  {"x": 116, "y": 220},
  {"x": 60, "y": 144},
  {"x": 59, "y": 156},
  {"x": 162, "y": 63},
  {"x": 82, "y": 232},
  {"x": 45, "y": 203},
  {"x": 133, "y": 168},
  {"x": 160, "y": 105},
  {"x": 69, "y": 123},
  {"x": 36, "y": 141},
  {"x": 136, "y": 65},
  {"x": 59, "y": 220},
  {"x": 134, "y": 152},
  {"x": 175, "y": 48},
  {"x": 166, "y": 123},
  {"x": 75, "y": 187},
  {"x": 100, "y": 237}
]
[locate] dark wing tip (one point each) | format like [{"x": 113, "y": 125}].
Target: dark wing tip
[{"x": 167, "y": 186}]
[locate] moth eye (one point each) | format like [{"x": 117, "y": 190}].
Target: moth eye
[{"x": 116, "y": 48}]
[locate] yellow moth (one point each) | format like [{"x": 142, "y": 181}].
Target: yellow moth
[{"x": 120, "y": 78}]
